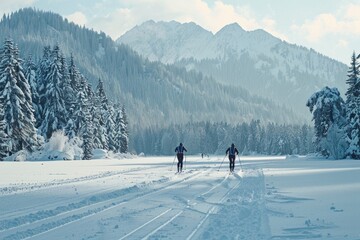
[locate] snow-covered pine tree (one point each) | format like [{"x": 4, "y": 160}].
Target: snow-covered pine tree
[
  {"x": 99, "y": 115},
  {"x": 97, "y": 133},
  {"x": 54, "y": 108},
  {"x": 101, "y": 95},
  {"x": 70, "y": 128},
  {"x": 254, "y": 135},
  {"x": 30, "y": 74},
  {"x": 110, "y": 128},
  {"x": 3, "y": 136},
  {"x": 79, "y": 117},
  {"x": 353, "y": 109},
  {"x": 124, "y": 138},
  {"x": 16, "y": 96},
  {"x": 88, "y": 140},
  {"x": 74, "y": 75},
  {"x": 328, "y": 109},
  {"x": 69, "y": 92},
  {"x": 42, "y": 72},
  {"x": 72, "y": 125},
  {"x": 117, "y": 129}
]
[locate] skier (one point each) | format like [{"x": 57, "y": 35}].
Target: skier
[
  {"x": 232, "y": 151},
  {"x": 180, "y": 156}
]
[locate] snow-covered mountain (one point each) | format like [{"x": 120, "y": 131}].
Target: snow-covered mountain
[
  {"x": 155, "y": 94},
  {"x": 170, "y": 42},
  {"x": 255, "y": 60}
]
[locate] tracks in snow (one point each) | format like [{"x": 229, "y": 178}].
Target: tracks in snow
[
  {"x": 181, "y": 208},
  {"x": 43, "y": 221}
]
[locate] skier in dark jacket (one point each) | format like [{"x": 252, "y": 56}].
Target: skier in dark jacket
[
  {"x": 232, "y": 151},
  {"x": 180, "y": 156}
]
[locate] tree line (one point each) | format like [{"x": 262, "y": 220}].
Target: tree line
[
  {"x": 337, "y": 121},
  {"x": 214, "y": 138},
  {"x": 39, "y": 97}
]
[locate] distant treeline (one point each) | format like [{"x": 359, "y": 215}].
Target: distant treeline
[{"x": 214, "y": 138}]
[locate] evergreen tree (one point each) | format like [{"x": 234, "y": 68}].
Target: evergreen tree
[
  {"x": 88, "y": 144},
  {"x": 99, "y": 140},
  {"x": 118, "y": 125},
  {"x": 124, "y": 139},
  {"x": 54, "y": 108},
  {"x": 74, "y": 75},
  {"x": 353, "y": 109},
  {"x": 3, "y": 136},
  {"x": 254, "y": 136},
  {"x": 70, "y": 128},
  {"x": 30, "y": 74},
  {"x": 101, "y": 102},
  {"x": 42, "y": 72},
  {"x": 16, "y": 96},
  {"x": 80, "y": 117},
  {"x": 110, "y": 128},
  {"x": 328, "y": 109},
  {"x": 101, "y": 96},
  {"x": 76, "y": 123},
  {"x": 69, "y": 92}
]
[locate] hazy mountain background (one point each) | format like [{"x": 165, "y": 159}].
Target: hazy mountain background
[
  {"x": 153, "y": 93},
  {"x": 255, "y": 60}
]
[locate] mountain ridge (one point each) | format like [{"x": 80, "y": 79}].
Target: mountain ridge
[
  {"x": 255, "y": 60},
  {"x": 154, "y": 94}
]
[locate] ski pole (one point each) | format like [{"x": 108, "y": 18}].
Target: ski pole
[
  {"x": 185, "y": 162},
  {"x": 240, "y": 163},
  {"x": 222, "y": 162},
  {"x": 173, "y": 163}
]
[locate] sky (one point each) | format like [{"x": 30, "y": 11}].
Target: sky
[{"x": 331, "y": 27}]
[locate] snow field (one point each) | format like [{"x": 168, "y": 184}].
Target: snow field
[{"x": 142, "y": 198}]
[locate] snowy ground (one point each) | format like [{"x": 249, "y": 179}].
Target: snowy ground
[{"x": 142, "y": 198}]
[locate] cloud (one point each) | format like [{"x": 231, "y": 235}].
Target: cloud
[
  {"x": 78, "y": 18},
  {"x": 342, "y": 43},
  {"x": 8, "y": 6},
  {"x": 345, "y": 22}
]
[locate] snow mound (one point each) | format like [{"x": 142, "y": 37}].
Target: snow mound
[
  {"x": 59, "y": 147},
  {"x": 99, "y": 154}
]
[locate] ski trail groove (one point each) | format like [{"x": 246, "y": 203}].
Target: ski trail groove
[
  {"x": 37, "y": 187},
  {"x": 163, "y": 225},
  {"x": 47, "y": 227},
  {"x": 210, "y": 212},
  {"x": 145, "y": 224}
]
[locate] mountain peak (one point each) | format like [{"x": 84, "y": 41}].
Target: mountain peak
[{"x": 231, "y": 28}]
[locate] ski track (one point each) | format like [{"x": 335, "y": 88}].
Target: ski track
[
  {"x": 20, "y": 228},
  {"x": 21, "y": 188},
  {"x": 208, "y": 209},
  {"x": 245, "y": 206},
  {"x": 46, "y": 207}
]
